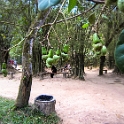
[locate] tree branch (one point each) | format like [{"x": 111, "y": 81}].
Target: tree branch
[
  {"x": 48, "y": 33},
  {"x": 49, "y": 24},
  {"x": 98, "y": 1},
  {"x": 113, "y": 34},
  {"x": 98, "y": 19},
  {"x": 9, "y": 23},
  {"x": 62, "y": 20}
]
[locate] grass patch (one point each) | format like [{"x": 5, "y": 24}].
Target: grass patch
[{"x": 27, "y": 115}]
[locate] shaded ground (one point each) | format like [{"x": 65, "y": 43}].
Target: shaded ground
[{"x": 98, "y": 100}]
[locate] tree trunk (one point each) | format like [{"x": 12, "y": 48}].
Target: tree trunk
[
  {"x": 78, "y": 69},
  {"x": 81, "y": 66},
  {"x": 76, "y": 65},
  {"x": 102, "y": 60},
  {"x": 26, "y": 79},
  {"x": 36, "y": 60},
  {"x": 111, "y": 62}
]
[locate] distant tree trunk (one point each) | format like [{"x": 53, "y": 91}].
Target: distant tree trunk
[
  {"x": 26, "y": 79},
  {"x": 75, "y": 65},
  {"x": 111, "y": 62},
  {"x": 81, "y": 66},
  {"x": 102, "y": 61},
  {"x": 78, "y": 65},
  {"x": 78, "y": 55},
  {"x": 6, "y": 56},
  {"x": 36, "y": 60}
]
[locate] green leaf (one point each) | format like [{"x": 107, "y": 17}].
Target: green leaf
[
  {"x": 72, "y": 3},
  {"x": 86, "y": 25},
  {"x": 92, "y": 18}
]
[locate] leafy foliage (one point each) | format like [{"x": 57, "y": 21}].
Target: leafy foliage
[
  {"x": 92, "y": 18},
  {"x": 72, "y": 4}
]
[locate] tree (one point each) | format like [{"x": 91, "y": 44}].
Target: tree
[{"x": 26, "y": 79}]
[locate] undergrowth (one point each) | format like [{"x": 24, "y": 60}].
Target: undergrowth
[{"x": 26, "y": 115}]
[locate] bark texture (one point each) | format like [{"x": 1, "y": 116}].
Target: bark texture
[{"x": 26, "y": 79}]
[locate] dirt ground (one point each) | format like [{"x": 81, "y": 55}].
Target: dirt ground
[{"x": 97, "y": 100}]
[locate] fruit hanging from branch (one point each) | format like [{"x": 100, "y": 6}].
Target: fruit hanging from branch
[
  {"x": 50, "y": 54},
  {"x": 65, "y": 48},
  {"x": 58, "y": 52},
  {"x": 44, "y": 51},
  {"x": 44, "y": 57},
  {"x": 98, "y": 45},
  {"x": 103, "y": 50},
  {"x": 96, "y": 38},
  {"x": 53, "y": 56}
]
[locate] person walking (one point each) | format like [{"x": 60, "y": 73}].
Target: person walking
[{"x": 54, "y": 70}]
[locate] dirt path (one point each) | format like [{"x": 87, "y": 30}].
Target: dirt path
[{"x": 98, "y": 100}]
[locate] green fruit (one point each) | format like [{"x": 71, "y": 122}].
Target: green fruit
[
  {"x": 120, "y": 5},
  {"x": 44, "y": 51},
  {"x": 101, "y": 41},
  {"x": 58, "y": 52},
  {"x": 48, "y": 66},
  {"x": 95, "y": 38},
  {"x": 5, "y": 74},
  {"x": 64, "y": 55},
  {"x": 50, "y": 61},
  {"x": 56, "y": 57},
  {"x": 3, "y": 65},
  {"x": 50, "y": 54},
  {"x": 4, "y": 71},
  {"x": 103, "y": 50},
  {"x": 97, "y": 47},
  {"x": 65, "y": 48},
  {"x": 44, "y": 57},
  {"x": 119, "y": 52}
]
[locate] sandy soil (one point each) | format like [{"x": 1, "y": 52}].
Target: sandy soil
[{"x": 97, "y": 100}]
